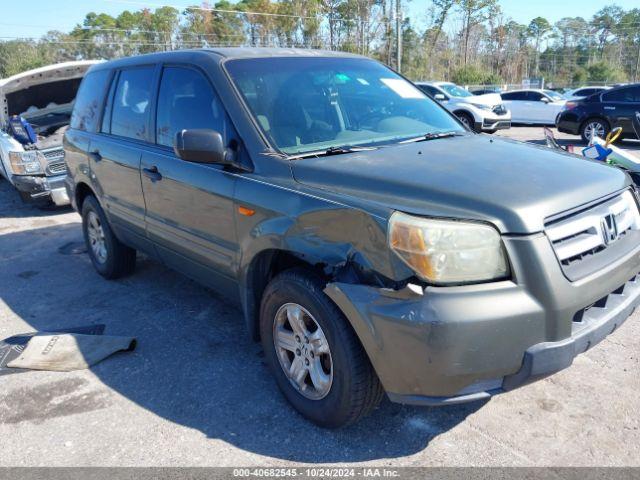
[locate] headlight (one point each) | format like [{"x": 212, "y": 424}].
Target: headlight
[
  {"x": 26, "y": 163},
  {"x": 446, "y": 251}
]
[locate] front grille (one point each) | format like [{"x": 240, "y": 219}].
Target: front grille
[
  {"x": 57, "y": 168},
  {"x": 53, "y": 153},
  {"x": 584, "y": 235},
  {"x": 55, "y": 161}
]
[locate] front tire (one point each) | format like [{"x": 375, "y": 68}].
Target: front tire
[
  {"x": 111, "y": 258},
  {"x": 316, "y": 358},
  {"x": 467, "y": 120}
]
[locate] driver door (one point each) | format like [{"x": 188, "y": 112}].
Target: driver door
[{"x": 189, "y": 206}]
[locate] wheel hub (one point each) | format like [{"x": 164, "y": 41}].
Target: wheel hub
[
  {"x": 96, "y": 237},
  {"x": 303, "y": 351}
]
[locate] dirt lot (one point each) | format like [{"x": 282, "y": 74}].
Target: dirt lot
[{"x": 196, "y": 392}]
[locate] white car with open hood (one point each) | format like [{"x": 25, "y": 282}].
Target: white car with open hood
[
  {"x": 482, "y": 113},
  {"x": 35, "y": 111}
]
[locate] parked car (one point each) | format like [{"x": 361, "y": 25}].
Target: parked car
[
  {"x": 599, "y": 113},
  {"x": 481, "y": 113},
  {"x": 583, "y": 92},
  {"x": 533, "y": 106},
  {"x": 374, "y": 244},
  {"x": 37, "y": 107}
]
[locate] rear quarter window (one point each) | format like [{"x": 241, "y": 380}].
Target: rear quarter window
[{"x": 88, "y": 104}]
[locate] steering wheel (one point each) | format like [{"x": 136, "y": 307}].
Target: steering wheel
[{"x": 612, "y": 136}]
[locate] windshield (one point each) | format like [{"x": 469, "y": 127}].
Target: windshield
[
  {"x": 310, "y": 104},
  {"x": 554, "y": 95},
  {"x": 455, "y": 90}
]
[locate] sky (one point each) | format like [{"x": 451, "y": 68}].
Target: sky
[{"x": 33, "y": 18}]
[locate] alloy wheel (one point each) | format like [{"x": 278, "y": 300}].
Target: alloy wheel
[
  {"x": 594, "y": 128},
  {"x": 303, "y": 351},
  {"x": 96, "y": 237}
]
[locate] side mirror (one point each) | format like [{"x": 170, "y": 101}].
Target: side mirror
[
  {"x": 545, "y": 100},
  {"x": 439, "y": 97},
  {"x": 200, "y": 146}
]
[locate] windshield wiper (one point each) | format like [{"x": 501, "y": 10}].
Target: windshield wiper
[
  {"x": 338, "y": 150},
  {"x": 433, "y": 136}
]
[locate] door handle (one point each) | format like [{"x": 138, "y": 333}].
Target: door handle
[
  {"x": 95, "y": 155},
  {"x": 609, "y": 108},
  {"x": 152, "y": 173}
]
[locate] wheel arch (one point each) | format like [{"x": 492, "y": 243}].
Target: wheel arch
[
  {"x": 263, "y": 267},
  {"x": 82, "y": 191}
]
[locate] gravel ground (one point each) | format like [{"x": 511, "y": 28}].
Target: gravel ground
[{"x": 196, "y": 391}]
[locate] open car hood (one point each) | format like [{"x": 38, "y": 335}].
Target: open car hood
[{"x": 50, "y": 73}]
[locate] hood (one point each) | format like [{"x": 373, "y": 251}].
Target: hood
[
  {"x": 50, "y": 73},
  {"x": 513, "y": 185},
  {"x": 41, "y": 88},
  {"x": 490, "y": 99}
]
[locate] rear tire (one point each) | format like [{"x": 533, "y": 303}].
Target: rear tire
[
  {"x": 111, "y": 258},
  {"x": 350, "y": 388},
  {"x": 594, "y": 125}
]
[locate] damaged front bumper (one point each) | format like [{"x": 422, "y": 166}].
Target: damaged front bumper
[
  {"x": 40, "y": 187},
  {"x": 445, "y": 345}
]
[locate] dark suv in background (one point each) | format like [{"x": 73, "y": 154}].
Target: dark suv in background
[
  {"x": 374, "y": 243},
  {"x": 600, "y": 113}
]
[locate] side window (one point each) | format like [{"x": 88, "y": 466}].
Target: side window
[
  {"x": 86, "y": 110},
  {"x": 514, "y": 96},
  {"x": 131, "y": 103},
  {"x": 428, "y": 89},
  {"x": 622, "y": 95},
  {"x": 186, "y": 100},
  {"x": 534, "y": 96}
]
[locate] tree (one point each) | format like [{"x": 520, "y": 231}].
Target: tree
[
  {"x": 603, "y": 72},
  {"x": 604, "y": 22},
  {"x": 538, "y": 29},
  {"x": 473, "y": 13}
]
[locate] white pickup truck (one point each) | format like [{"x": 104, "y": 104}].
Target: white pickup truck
[{"x": 31, "y": 157}]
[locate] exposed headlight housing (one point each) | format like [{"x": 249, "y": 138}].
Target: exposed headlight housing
[
  {"x": 29, "y": 162},
  {"x": 448, "y": 251}
]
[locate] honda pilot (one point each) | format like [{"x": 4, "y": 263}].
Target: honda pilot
[{"x": 375, "y": 245}]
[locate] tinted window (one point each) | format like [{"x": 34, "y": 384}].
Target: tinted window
[
  {"x": 309, "y": 104},
  {"x": 514, "y": 96},
  {"x": 131, "y": 103},
  {"x": 186, "y": 100},
  {"x": 89, "y": 101},
  {"x": 534, "y": 96},
  {"x": 428, "y": 89},
  {"x": 631, "y": 94}
]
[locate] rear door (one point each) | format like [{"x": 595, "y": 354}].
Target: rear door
[
  {"x": 620, "y": 106},
  {"x": 189, "y": 212},
  {"x": 115, "y": 154},
  {"x": 517, "y": 103}
]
